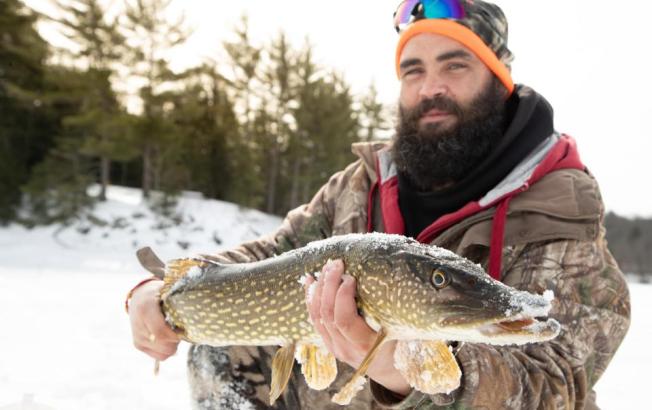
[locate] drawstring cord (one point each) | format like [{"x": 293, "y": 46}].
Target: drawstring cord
[{"x": 497, "y": 238}]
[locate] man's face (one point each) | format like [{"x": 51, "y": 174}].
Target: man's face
[
  {"x": 451, "y": 111},
  {"x": 432, "y": 65}
]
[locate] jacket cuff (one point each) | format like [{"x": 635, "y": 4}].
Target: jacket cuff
[{"x": 387, "y": 399}]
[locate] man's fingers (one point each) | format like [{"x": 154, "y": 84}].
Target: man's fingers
[
  {"x": 314, "y": 300},
  {"x": 313, "y": 303},
  {"x": 331, "y": 278},
  {"x": 146, "y": 314},
  {"x": 350, "y": 324},
  {"x": 148, "y": 342}
]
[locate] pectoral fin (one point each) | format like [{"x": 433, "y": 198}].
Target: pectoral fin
[
  {"x": 281, "y": 371},
  {"x": 358, "y": 380},
  {"x": 318, "y": 365},
  {"x": 428, "y": 365}
]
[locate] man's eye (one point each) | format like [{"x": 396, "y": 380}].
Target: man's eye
[
  {"x": 411, "y": 72},
  {"x": 456, "y": 66}
]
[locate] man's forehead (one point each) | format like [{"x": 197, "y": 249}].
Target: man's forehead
[{"x": 428, "y": 46}]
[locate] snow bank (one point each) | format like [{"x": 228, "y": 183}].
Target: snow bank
[{"x": 106, "y": 241}]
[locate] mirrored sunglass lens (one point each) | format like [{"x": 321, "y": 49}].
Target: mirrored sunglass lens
[
  {"x": 440, "y": 9},
  {"x": 432, "y": 9},
  {"x": 403, "y": 14}
]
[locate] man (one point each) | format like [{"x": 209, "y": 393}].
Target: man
[{"x": 475, "y": 167}]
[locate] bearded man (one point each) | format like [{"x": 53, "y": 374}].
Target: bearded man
[{"x": 475, "y": 167}]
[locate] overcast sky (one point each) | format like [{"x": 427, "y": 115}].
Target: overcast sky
[{"x": 590, "y": 59}]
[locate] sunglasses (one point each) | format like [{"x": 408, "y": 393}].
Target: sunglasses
[{"x": 411, "y": 10}]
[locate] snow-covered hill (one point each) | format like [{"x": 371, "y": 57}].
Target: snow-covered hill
[
  {"x": 107, "y": 239},
  {"x": 65, "y": 338}
]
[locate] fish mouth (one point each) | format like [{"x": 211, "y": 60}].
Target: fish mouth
[
  {"x": 511, "y": 317},
  {"x": 520, "y": 329}
]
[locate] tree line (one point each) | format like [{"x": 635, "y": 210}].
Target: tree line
[
  {"x": 630, "y": 241},
  {"x": 263, "y": 127}
]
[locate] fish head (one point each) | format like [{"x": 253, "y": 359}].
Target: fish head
[{"x": 440, "y": 295}]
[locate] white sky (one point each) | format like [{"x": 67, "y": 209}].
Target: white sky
[{"x": 590, "y": 59}]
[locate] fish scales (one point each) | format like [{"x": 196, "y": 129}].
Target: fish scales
[{"x": 258, "y": 303}]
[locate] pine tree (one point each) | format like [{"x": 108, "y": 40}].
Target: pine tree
[
  {"x": 280, "y": 76},
  {"x": 373, "y": 116},
  {"x": 245, "y": 62},
  {"x": 150, "y": 35},
  {"x": 57, "y": 188},
  {"x": 327, "y": 125},
  {"x": 25, "y": 127},
  {"x": 206, "y": 127},
  {"x": 99, "y": 47},
  {"x": 248, "y": 94},
  {"x": 302, "y": 144},
  {"x": 304, "y": 120}
]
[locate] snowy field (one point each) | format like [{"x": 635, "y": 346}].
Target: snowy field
[{"x": 65, "y": 339}]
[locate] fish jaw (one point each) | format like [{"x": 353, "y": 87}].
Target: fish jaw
[
  {"x": 520, "y": 324},
  {"x": 499, "y": 333},
  {"x": 534, "y": 331},
  {"x": 519, "y": 318}
]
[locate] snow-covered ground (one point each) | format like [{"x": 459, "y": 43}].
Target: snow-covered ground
[{"x": 64, "y": 336}]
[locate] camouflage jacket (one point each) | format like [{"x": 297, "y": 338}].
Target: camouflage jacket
[{"x": 554, "y": 239}]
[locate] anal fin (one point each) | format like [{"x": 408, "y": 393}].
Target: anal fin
[
  {"x": 281, "y": 371},
  {"x": 428, "y": 365},
  {"x": 318, "y": 365},
  {"x": 358, "y": 380}
]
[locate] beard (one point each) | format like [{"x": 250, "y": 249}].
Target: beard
[{"x": 432, "y": 156}]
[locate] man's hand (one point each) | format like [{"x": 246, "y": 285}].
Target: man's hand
[
  {"x": 149, "y": 330},
  {"x": 333, "y": 311}
]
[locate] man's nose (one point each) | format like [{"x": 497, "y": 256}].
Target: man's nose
[{"x": 432, "y": 86}]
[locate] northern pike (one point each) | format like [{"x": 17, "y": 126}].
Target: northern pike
[{"x": 419, "y": 295}]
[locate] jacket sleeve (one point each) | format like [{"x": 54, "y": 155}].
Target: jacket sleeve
[{"x": 592, "y": 305}]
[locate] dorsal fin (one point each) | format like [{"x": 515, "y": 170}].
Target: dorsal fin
[
  {"x": 179, "y": 268},
  {"x": 170, "y": 272}
]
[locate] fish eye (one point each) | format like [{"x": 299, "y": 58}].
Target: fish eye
[{"x": 440, "y": 279}]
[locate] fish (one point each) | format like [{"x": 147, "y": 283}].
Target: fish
[{"x": 419, "y": 295}]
